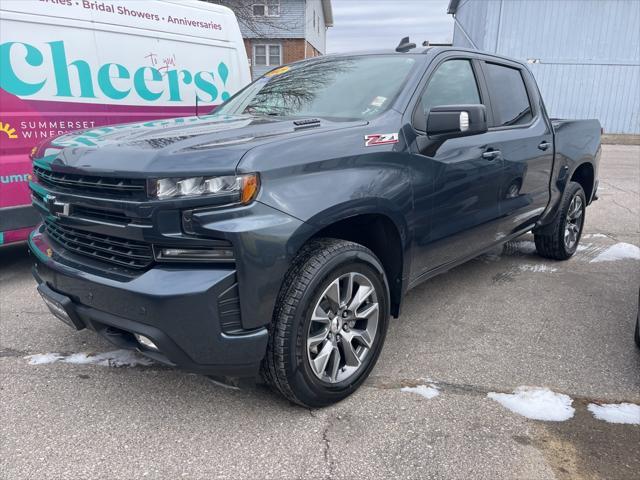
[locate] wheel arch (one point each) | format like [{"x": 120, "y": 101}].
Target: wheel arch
[
  {"x": 384, "y": 233},
  {"x": 584, "y": 174}
]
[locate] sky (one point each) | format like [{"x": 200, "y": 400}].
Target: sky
[{"x": 380, "y": 24}]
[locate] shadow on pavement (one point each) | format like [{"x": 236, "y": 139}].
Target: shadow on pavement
[{"x": 14, "y": 258}]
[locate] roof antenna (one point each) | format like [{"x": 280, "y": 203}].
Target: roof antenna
[{"x": 405, "y": 45}]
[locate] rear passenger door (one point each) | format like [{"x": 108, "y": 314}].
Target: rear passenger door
[{"x": 519, "y": 130}]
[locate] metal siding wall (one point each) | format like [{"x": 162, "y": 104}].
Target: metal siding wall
[{"x": 589, "y": 52}]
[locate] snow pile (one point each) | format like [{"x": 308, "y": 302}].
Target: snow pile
[
  {"x": 44, "y": 358},
  {"x": 539, "y": 268},
  {"x": 619, "y": 251},
  {"x": 427, "y": 391},
  {"x": 536, "y": 403},
  {"x": 117, "y": 358},
  {"x": 616, "y": 412}
]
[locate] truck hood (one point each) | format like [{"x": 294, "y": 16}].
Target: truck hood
[{"x": 179, "y": 146}]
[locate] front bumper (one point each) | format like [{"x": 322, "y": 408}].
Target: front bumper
[{"x": 178, "y": 308}]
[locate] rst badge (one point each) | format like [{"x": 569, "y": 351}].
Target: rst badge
[{"x": 376, "y": 139}]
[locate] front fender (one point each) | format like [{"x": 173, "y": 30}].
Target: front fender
[{"x": 334, "y": 191}]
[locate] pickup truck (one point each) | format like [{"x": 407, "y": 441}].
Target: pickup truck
[{"x": 279, "y": 233}]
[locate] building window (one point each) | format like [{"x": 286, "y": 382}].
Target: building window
[
  {"x": 267, "y": 55},
  {"x": 269, "y": 8}
]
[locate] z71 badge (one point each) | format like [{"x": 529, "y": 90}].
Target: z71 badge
[{"x": 376, "y": 139}]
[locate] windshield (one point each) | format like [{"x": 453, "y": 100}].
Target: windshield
[{"x": 335, "y": 87}]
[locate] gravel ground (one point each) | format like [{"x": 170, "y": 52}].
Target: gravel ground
[{"x": 506, "y": 319}]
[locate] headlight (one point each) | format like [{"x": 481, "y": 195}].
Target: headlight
[{"x": 239, "y": 188}]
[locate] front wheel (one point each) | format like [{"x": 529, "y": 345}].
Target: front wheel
[
  {"x": 560, "y": 240},
  {"x": 329, "y": 325}
]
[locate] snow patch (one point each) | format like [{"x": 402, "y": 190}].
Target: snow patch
[
  {"x": 595, "y": 235},
  {"x": 536, "y": 403},
  {"x": 538, "y": 268},
  {"x": 427, "y": 391},
  {"x": 117, "y": 358},
  {"x": 616, "y": 412},
  {"x": 619, "y": 251},
  {"x": 44, "y": 358}
]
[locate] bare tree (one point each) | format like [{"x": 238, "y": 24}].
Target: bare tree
[{"x": 259, "y": 26}]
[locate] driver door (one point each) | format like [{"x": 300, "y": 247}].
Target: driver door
[{"x": 456, "y": 182}]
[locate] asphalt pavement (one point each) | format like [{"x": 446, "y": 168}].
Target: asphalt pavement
[{"x": 504, "y": 320}]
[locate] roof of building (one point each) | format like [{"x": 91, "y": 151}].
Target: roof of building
[{"x": 327, "y": 11}]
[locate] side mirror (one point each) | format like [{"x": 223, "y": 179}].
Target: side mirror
[{"x": 451, "y": 121}]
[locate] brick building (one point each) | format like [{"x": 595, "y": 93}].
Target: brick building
[{"x": 292, "y": 30}]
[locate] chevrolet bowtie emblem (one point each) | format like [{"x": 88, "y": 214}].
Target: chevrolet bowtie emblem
[{"x": 57, "y": 208}]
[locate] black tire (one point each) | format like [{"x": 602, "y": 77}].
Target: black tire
[
  {"x": 287, "y": 364},
  {"x": 550, "y": 242}
]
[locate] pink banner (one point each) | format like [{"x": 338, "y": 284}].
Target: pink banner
[{"x": 26, "y": 123}]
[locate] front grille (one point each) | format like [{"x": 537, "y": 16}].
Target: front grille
[
  {"x": 119, "y": 251},
  {"x": 100, "y": 214},
  {"x": 122, "y": 187}
]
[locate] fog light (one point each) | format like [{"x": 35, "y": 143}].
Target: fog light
[{"x": 146, "y": 342}]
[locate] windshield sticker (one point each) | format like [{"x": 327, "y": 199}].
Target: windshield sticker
[
  {"x": 378, "y": 101},
  {"x": 277, "y": 71},
  {"x": 376, "y": 139}
]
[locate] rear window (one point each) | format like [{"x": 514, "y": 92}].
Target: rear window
[{"x": 509, "y": 98}]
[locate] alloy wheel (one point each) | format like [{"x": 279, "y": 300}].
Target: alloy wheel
[
  {"x": 343, "y": 327},
  {"x": 573, "y": 225}
]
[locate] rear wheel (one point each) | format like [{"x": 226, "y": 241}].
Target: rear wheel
[
  {"x": 560, "y": 240},
  {"x": 329, "y": 325}
]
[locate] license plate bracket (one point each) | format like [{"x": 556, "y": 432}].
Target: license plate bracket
[{"x": 61, "y": 307}]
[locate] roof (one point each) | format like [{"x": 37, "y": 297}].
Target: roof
[
  {"x": 453, "y": 6},
  {"x": 327, "y": 11}
]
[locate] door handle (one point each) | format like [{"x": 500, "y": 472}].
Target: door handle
[
  {"x": 544, "y": 145},
  {"x": 491, "y": 154}
]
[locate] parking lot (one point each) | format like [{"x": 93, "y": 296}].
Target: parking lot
[{"x": 504, "y": 320}]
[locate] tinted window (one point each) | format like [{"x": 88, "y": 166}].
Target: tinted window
[
  {"x": 453, "y": 83},
  {"x": 508, "y": 95}
]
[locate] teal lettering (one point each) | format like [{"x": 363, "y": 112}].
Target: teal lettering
[
  {"x": 61, "y": 72},
  {"x": 206, "y": 86},
  {"x": 105, "y": 77},
  {"x": 9, "y": 81},
  {"x": 140, "y": 83},
  {"x": 174, "y": 83}
]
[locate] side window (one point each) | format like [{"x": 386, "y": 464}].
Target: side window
[
  {"x": 508, "y": 94},
  {"x": 453, "y": 83}
]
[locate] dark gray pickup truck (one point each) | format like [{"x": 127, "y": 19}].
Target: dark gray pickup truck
[{"x": 279, "y": 233}]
